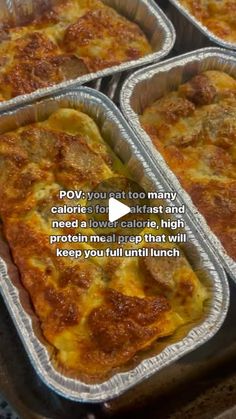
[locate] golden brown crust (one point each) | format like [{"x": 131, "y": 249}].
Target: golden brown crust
[
  {"x": 73, "y": 39},
  {"x": 122, "y": 41},
  {"x": 124, "y": 322},
  {"x": 96, "y": 313},
  {"x": 200, "y": 146},
  {"x": 199, "y": 90},
  {"x": 218, "y": 16}
]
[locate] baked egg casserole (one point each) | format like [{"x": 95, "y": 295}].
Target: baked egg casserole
[
  {"x": 73, "y": 38},
  {"x": 194, "y": 128},
  {"x": 219, "y": 16},
  {"x": 95, "y": 314}
]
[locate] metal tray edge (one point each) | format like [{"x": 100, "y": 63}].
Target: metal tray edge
[
  {"x": 131, "y": 116},
  {"x": 120, "y": 382},
  {"x": 202, "y": 28},
  {"x": 169, "y": 40}
]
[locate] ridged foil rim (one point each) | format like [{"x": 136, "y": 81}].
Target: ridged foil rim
[
  {"x": 163, "y": 26},
  {"x": 211, "y": 322},
  {"x": 202, "y": 28},
  {"x": 128, "y": 90}
]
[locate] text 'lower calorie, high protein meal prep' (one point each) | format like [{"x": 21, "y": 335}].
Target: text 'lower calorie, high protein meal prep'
[{"x": 97, "y": 313}]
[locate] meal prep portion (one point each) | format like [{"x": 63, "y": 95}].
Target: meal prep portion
[
  {"x": 194, "y": 130},
  {"x": 73, "y": 38},
  {"x": 96, "y": 314},
  {"x": 218, "y": 16}
]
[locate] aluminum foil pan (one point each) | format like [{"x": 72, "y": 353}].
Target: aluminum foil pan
[
  {"x": 192, "y": 34},
  {"x": 126, "y": 145},
  {"x": 145, "y": 13},
  {"x": 146, "y": 86}
]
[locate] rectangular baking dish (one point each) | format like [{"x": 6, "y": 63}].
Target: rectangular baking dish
[
  {"x": 192, "y": 34},
  {"x": 146, "y": 86},
  {"x": 125, "y": 144},
  {"x": 145, "y": 13}
]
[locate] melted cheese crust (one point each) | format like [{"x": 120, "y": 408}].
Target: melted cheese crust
[
  {"x": 218, "y": 16},
  {"x": 96, "y": 313},
  {"x": 75, "y": 37},
  {"x": 194, "y": 129}
]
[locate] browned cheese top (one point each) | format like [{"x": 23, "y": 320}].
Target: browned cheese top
[
  {"x": 74, "y": 38},
  {"x": 96, "y": 313},
  {"x": 194, "y": 128}
]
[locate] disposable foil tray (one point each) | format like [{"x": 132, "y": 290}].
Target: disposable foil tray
[
  {"x": 148, "y": 16},
  {"x": 149, "y": 84},
  {"x": 127, "y": 147},
  {"x": 192, "y": 34}
]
